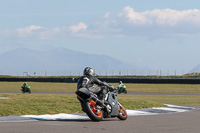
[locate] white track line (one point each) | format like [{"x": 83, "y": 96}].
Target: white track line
[
  {"x": 4, "y": 98},
  {"x": 62, "y": 116},
  {"x": 83, "y": 116}
]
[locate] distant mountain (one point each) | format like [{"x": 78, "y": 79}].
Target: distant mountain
[
  {"x": 59, "y": 60},
  {"x": 196, "y": 69}
]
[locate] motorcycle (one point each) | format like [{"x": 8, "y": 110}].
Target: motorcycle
[
  {"x": 96, "y": 109},
  {"x": 26, "y": 89},
  {"x": 121, "y": 88}
]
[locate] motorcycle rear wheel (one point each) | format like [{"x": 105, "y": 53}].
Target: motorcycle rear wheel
[
  {"x": 122, "y": 112},
  {"x": 90, "y": 108}
]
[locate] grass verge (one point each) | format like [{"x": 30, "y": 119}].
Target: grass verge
[
  {"x": 24, "y": 104},
  {"x": 39, "y": 86},
  {"x": 36, "y": 104}
]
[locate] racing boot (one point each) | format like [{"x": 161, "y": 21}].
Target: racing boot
[{"x": 103, "y": 95}]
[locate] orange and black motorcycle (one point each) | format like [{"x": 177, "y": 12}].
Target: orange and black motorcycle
[{"x": 96, "y": 109}]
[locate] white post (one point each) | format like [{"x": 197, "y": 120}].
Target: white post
[
  {"x": 157, "y": 73},
  {"x": 71, "y": 73},
  {"x": 183, "y": 72},
  {"x": 46, "y": 74}
]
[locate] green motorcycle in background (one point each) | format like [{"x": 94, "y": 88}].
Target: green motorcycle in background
[
  {"x": 26, "y": 88},
  {"x": 121, "y": 88}
]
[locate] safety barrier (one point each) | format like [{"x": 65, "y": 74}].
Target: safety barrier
[{"x": 110, "y": 80}]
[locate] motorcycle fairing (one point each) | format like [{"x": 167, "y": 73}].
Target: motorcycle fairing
[{"x": 112, "y": 99}]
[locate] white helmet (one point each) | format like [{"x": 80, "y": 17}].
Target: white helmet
[{"x": 89, "y": 71}]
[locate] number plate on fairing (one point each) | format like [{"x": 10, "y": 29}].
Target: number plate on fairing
[{"x": 112, "y": 99}]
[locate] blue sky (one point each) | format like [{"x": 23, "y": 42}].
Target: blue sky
[{"x": 154, "y": 34}]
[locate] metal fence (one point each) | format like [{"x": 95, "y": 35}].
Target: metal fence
[{"x": 101, "y": 73}]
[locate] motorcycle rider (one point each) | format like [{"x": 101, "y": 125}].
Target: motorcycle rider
[
  {"x": 25, "y": 86},
  {"x": 88, "y": 80}
]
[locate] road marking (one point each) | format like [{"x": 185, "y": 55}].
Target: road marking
[
  {"x": 137, "y": 112},
  {"x": 62, "y": 116},
  {"x": 15, "y": 119},
  {"x": 4, "y": 98},
  {"x": 162, "y": 110}
]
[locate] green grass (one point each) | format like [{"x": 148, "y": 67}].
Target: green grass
[
  {"x": 39, "y": 86},
  {"x": 161, "y": 99},
  {"x": 164, "y": 88},
  {"x": 36, "y": 104},
  {"x": 24, "y": 104}
]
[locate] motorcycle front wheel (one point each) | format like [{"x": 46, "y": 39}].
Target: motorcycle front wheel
[
  {"x": 125, "y": 92},
  {"x": 91, "y": 109},
  {"x": 122, "y": 112}
]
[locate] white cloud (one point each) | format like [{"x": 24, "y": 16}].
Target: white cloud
[
  {"x": 76, "y": 28},
  {"x": 27, "y": 31},
  {"x": 51, "y": 34},
  {"x": 133, "y": 17},
  {"x": 157, "y": 23},
  {"x": 161, "y": 17}
]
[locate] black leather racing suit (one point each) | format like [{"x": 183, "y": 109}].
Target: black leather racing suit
[{"x": 88, "y": 81}]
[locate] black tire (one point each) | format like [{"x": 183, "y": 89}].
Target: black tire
[
  {"x": 125, "y": 92},
  {"x": 90, "y": 110},
  {"x": 122, "y": 112}
]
